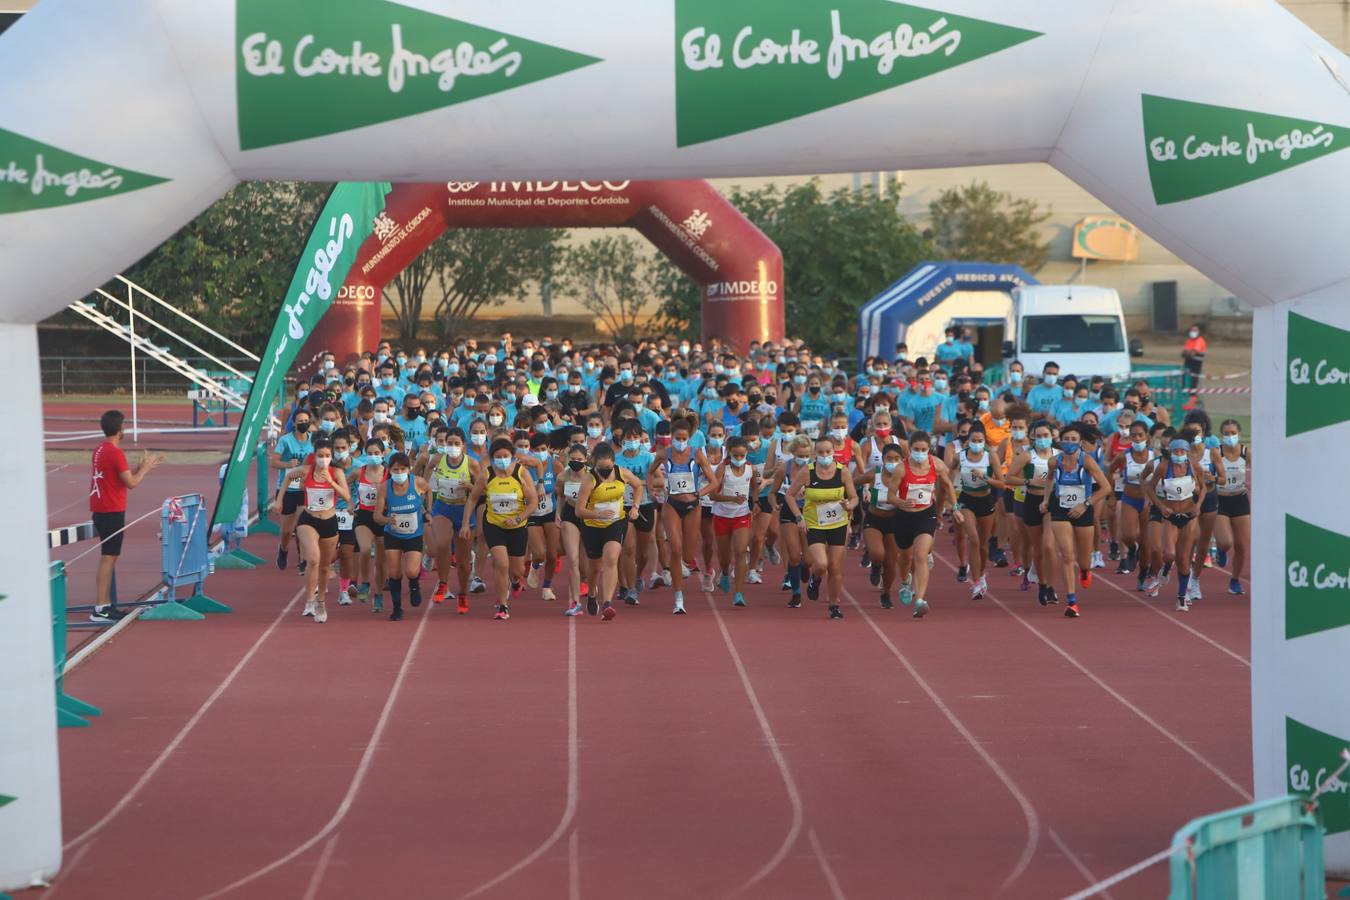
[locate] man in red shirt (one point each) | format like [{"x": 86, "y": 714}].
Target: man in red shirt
[{"x": 108, "y": 485}]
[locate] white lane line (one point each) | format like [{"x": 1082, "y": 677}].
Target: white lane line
[
  {"x": 67, "y": 869},
  {"x": 324, "y": 858},
  {"x": 574, "y": 865},
  {"x": 186, "y": 729},
  {"x": 573, "y": 785},
  {"x": 836, "y": 891},
  {"x": 56, "y": 469},
  {"x": 1153, "y": 723},
  {"x": 794, "y": 796},
  {"x": 1077, "y": 863},
  {"x": 358, "y": 777},
  {"x": 1174, "y": 620},
  {"x": 1028, "y": 811}
]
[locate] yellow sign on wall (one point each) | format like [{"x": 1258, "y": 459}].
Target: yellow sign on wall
[{"x": 1105, "y": 237}]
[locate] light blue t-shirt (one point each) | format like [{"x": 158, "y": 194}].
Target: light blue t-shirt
[
  {"x": 292, "y": 451},
  {"x": 923, "y": 410},
  {"x": 1043, "y": 397}
]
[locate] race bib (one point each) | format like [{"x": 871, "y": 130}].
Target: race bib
[
  {"x": 880, "y": 495},
  {"x": 504, "y": 504},
  {"x": 1234, "y": 480},
  {"x": 455, "y": 490},
  {"x": 811, "y": 428},
  {"x": 681, "y": 483},
  {"x": 919, "y": 494},
  {"x": 1119, "y": 481},
  {"x": 609, "y": 511},
  {"x": 628, "y": 495},
  {"x": 973, "y": 477},
  {"x": 345, "y": 520},
  {"x": 545, "y": 505},
  {"x": 1178, "y": 488},
  {"x": 365, "y": 494},
  {"x": 318, "y": 499},
  {"x": 1071, "y": 495},
  {"x": 828, "y": 514},
  {"x": 403, "y": 523},
  {"x": 572, "y": 489},
  {"x": 759, "y": 470},
  {"x": 296, "y": 483}
]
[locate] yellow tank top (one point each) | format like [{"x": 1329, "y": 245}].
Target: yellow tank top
[
  {"x": 453, "y": 482},
  {"x": 825, "y": 501},
  {"x": 610, "y": 493},
  {"x": 505, "y": 500}
]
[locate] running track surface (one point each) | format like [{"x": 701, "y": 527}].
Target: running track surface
[{"x": 994, "y": 748}]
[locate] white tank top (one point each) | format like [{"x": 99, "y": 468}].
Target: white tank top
[
  {"x": 734, "y": 484},
  {"x": 1234, "y": 476},
  {"x": 975, "y": 473},
  {"x": 1134, "y": 471}
]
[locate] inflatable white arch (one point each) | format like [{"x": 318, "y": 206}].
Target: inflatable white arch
[{"x": 1214, "y": 125}]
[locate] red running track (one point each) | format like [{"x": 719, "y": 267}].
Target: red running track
[{"x": 994, "y": 748}]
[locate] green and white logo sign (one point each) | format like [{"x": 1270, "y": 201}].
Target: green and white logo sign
[
  {"x": 1317, "y": 390},
  {"x": 744, "y": 65},
  {"x": 1316, "y": 579},
  {"x": 34, "y": 175},
  {"x": 1311, "y": 756},
  {"x": 307, "y": 68},
  {"x": 1196, "y": 149}
]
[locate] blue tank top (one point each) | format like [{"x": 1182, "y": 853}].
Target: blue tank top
[
  {"x": 757, "y": 458},
  {"x": 815, "y": 410},
  {"x": 1079, "y": 476},
  {"x": 547, "y": 482},
  {"x": 405, "y": 511},
  {"x": 690, "y": 467}
]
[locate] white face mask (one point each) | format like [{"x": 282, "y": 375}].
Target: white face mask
[{"x": 495, "y": 421}]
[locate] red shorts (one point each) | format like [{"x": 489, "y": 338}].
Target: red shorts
[{"x": 723, "y": 526}]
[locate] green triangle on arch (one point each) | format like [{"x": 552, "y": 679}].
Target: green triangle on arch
[
  {"x": 308, "y": 68},
  {"x": 6, "y": 801},
  {"x": 1317, "y": 383},
  {"x": 1196, "y": 149},
  {"x": 744, "y": 65},
  {"x": 34, "y": 175},
  {"x": 1316, "y": 578}
]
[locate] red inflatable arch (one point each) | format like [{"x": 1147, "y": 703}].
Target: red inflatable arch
[{"x": 739, "y": 269}]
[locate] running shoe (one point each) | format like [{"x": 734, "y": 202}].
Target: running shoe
[
  {"x": 1018, "y": 570},
  {"x": 976, "y": 591},
  {"x": 795, "y": 602},
  {"x": 1182, "y": 605},
  {"x": 1051, "y": 598},
  {"x": 708, "y": 581},
  {"x": 592, "y": 605},
  {"x": 378, "y": 605},
  {"x": 865, "y": 561},
  {"x": 309, "y": 606},
  {"x": 753, "y": 577},
  {"x": 573, "y": 610},
  {"x": 352, "y": 593},
  {"x": 547, "y": 594},
  {"x": 630, "y": 597},
  {"x": 813, "y": 588},
  {"x": 906, "y": 596},
  {"x": 999, "y": 558},
  {"x": 516, "y": 590},
  {"x": 300, "y": 569},
  {"x": 886, "y": 601},
  {"x": 1114, "y": 551},
  {"x": 608, "y": 612},
  {"x": 1042, "y": 595},
  {"x": 345, "y": 597},
  {"x": 1097, "y": 561},
  {"x": 396, "y": 615},
  {"x": 1193, "y": 590},
  {"x": 875, "y": 576},
  {"x": 476, "y": 585},
  {"x": 685, "y": 570},
  {"x": 1235, "y": 587},
  {"x": 787, "y": 584},
  {"x": 1071, "y": 611},
  {"x": 1032, "y": 577},
  {"x": 533, "y": 579},
  {"x": 1085, "y": 577},
  {"x": 107, "y": 615},
  {"x": 363, "y": 593},
  {"x": 503, "y": 612},
  {"x": 321, "y": 613},
  {"x": 963, "y": 573},
  {"x": 1124, "y": 567},
  {"x": 282, "y": 555},
  {"x": 679, "y": 604},
  {"x": 724, "y": 583},
  {"x": 414, "y": 596},
  {"x": 1209, "y": 561},
  {"x": 920, "y": 608},
  {"x": 1222, "y": 557},
  {"x": 462, "y": 607},
  {"x": 836, "y": 612},
  {"x": 930, "y": 560},
  {"x": 739, "y": 600},
  {"x": 1153, "y": 587},
  {"x": 775, "y": 558}
]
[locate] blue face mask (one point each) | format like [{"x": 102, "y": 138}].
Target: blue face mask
[
  {"x": 1138, "y": 446},
  {"x": 1068, "y": 446},
  {"x": 824, "y": 459},
  {"x": 939, "y": 384},
  {"x": 544, "y": 427},
  {"x": 891, "y": 466},
  {"x": 595, "y": 431},
  {"x": 681, "y": 446},
  {"x": 625, "y": 375},
  {"x": 574, "y": 389},
  {"x": 918, "y": 457},
  {"x": 327, "y": 427},
  {"x": 715, "y": 443},
  {"x": 1015, "y": 378},
  {"x": 541, "y": 455},
  {"x": 799, "y": 379},
  {"x": 632, "y": 446},
  {"x": 399, "y": 477},
  {"x": 1179, "y": 457},
  {"x": 1231, "y": 440},
  {"x": 1044, "y": 443},
  {"x": 710, "y": 393},
  {"x": 984, "y": 406},
  {"x": 500, "y": 464},
  {"x": 1052, "y": 379},
  {"x": 387, "y": 381}
]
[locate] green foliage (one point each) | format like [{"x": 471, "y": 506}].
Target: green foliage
[
  {"x": 839, "y": 251},
  {"x": 478, "y": 267},
  {"x": 231, "y": 265},
  {"x": 611, "y": 277},
  {"x": 978, "y": 224}
]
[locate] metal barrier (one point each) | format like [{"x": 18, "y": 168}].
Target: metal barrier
[
  {"x": 264, "y": 525},
  {"x": 70, "y": 712},
  {"x": 1166, "y": 383},
  {"x": 185, "y": 560},
  {"x": 1269, "y": 849}
]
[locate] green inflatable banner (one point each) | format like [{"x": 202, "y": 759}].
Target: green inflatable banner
[{"x": 348, "y": 218}]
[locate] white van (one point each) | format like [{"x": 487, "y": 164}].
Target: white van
[{"x": 1079, "y": 327}]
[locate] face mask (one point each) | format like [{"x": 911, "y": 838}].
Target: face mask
[
  {"x": 501, "y": 465},
  {"x": 576, "y": 465},
  {"x": 300, "y": 395},
  {"x": 478, "y": 440},
  {"x": 411, "y": 414},
  {"x": 890, "y": 466},
  {"x": 799, "y": 379},
  {"x": 977, "y": 446},
  {"x": 1014, "y": 377},
  {"x": 544, "y": 427},
  {"x": 322, "y": 462},
  {"x": 715, "y": 443},
  {"x": 327, "y": 427},
  {"x": 541, "y": 455},
  {"x": 825, "y": 460},
  {"x": 604, "y": 471},
  {"x": 1178, "y": 457},
  {"x": 399, "y": 477},
  {"x": 595, "y": 431},
  {"x": 495, "y": 421},
  {"x": 840, "y": 398},
  {"x": 632, "y": 446},
  {"x": 1193, "y": 334},
  {"x": 883, "y": 433},
  {"x": 984, "y": 406},
  {"x": 939, "y": 384},
  {"x": 1051, "y": 379},
  {"x": 684, "y": 350},
  {"x": 1019, "y": 434},
  {"x": 1068, "y": 393},
  {"x": 815, "y": 389},
  {"x": 679, "y": 445},
  {"x": 1044, "y": 443},
  {"x": 1069, "y": 447},
  {"x": 387, "y": 381},
  {"x": 918, "y": 457},
  {"x": 1230, "y": 440},
  {"x": 1138, "y": 446},
  {"x": 646, "y": 445},
  {"x": 625, "y": 375},
  {"x": 429, "y": 405},
  {"x": 301, "y": 427},
  {"x": 738, "y": 461},
  {"x": 1197, "y": 441},
  {"x": 454, "y": 451},
  {"x": 753, "y": 444}
]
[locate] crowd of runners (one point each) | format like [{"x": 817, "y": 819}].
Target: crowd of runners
[{"x": 602, "y": 476}]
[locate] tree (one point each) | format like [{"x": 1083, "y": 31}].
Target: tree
[
  {"x": 406, "y": 292},
  {"x": 839, "y": 251},
  {"x": 231, "y": 266},
  {"x": 610, "y": 277},
  {"x": 479, "y": 267},
  {"x": 978, "y": 224}
]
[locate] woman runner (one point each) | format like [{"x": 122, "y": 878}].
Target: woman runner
[
  {"x": 919, "y": 488},
  {"x": 400, "y": 508},
  {"x": 369, "y": 533},
  {"x": 1076, "y": 483},
  {"x": 1233, "y": 530},
  {"x": 511, "y": 497},
  {"x": 317, "y": 527},
  {"x": 1178, "y": 492},
  {"x": 686, "y": 481},
  {"x": 798, "y": 459},
  {"x": 455, "y": 474},
  {"x": 980, "y": 472},
  {"x": 600, "y": 506},
  {"x": 734, "y": 484},
  {"x": 827, "y": 489},
  {"x": 879, "y": 518}
]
